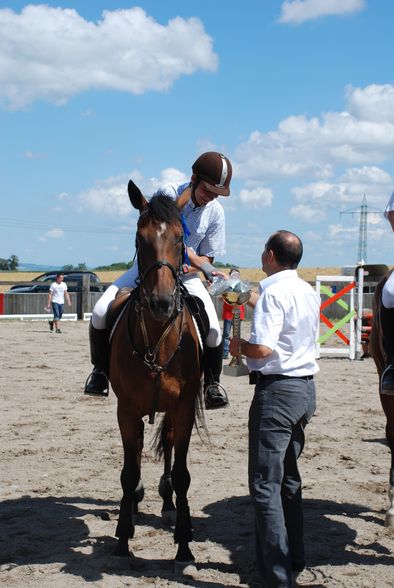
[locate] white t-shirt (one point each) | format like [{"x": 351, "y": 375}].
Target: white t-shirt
[
  {"x": 58, "y": 291},
  {"x": 286, "y": 319}
]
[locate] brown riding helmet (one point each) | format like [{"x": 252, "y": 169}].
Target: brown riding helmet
[{"x": 214, "y": 170}]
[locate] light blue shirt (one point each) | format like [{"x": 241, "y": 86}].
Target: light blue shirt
[{"x": 205, "y": 223}]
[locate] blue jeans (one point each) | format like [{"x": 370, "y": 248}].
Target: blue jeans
[
  {"x": 227, "y": 324},
  {"x": 57, "y": 311},
  {"x": 278, "y": 414}
]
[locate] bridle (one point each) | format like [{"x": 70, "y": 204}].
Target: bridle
[
  {"x": 149, "y": 355},
  {"x": 144, "y": 297}
]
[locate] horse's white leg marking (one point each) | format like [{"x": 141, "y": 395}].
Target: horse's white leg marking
[
  {"x": 161, "y": 229},
  {"x": 389, "y": 522}
]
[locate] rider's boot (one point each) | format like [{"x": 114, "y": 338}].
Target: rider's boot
[
  {"x": 214, "y": 394},
  {"x": 97, "y": 383},
  {"x": 387, "y": 326}
]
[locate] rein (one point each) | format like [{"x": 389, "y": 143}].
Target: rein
[{"x": 149, "y": 355}]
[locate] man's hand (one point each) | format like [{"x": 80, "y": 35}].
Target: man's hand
[{"x": 235, "y": 346}]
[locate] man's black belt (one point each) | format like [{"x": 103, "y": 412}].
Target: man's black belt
[{"x": 255, "y": 377}]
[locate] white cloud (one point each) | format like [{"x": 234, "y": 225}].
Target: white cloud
[
  {"x": 306, "y": 213},
  {"x": 312, "y": 147},
  {"x": 373, "y": 103},
  {"x": 109, "y": 196},
  {"x": 52, "y": 234},
  {"x": 170, "y": 174},
  {"x": 53, "y": 53},
  {"x": 350, "y": 187},
  {"x": 299, "y": 11},
  {"x": 33, "y": 155},
  {"x": 257, "y": 197}
]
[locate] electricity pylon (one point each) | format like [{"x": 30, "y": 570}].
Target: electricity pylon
[{"x": 362, "y": 231}]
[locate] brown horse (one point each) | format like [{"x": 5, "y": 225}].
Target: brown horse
[
  {"x": 156, "y": 367},
  {"x": 387, "y": 400}
]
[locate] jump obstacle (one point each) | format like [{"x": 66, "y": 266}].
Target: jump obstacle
[{"x": 352, "y": 342}]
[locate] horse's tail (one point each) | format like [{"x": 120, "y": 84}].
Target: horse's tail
[{"x": 163, "y": 434}]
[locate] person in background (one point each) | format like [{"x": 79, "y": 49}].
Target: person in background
[
  {"x": 387, "y": 316},
  {"x": 228, "y": 316},
  {"x": 204, "y": 217},
  {"x": 281, "y": 357},
  {"x": 57, "y": 294}
]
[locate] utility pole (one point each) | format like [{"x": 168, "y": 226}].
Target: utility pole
[
  {"x": 363, "y": 228},
  {"x": 361, "y": 261}
]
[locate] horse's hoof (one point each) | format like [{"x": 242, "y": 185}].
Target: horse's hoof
[
  {"x": 185, "y": 568},
  {"x": 168, "y": 517},
  {"x": 140, "y": 492},
  {"x": 389, "y": 520}
]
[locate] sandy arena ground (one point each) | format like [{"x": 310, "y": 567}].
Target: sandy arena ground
[{"x": 61, "y": 458}]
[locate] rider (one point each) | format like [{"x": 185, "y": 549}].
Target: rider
[
  {"x": 387, "y": 316},
  {"x": 204, "y": 217}
]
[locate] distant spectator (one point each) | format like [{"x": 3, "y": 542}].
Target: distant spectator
[
  {"x": 57, "y": 293},
  {"x": 228, "y": 316}
]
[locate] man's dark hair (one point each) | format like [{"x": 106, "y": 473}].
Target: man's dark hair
[
  {"x": 287, "y": 248},
  {"x": 59, "y": 274}
]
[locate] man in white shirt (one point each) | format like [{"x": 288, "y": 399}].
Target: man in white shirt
[
  {"x": 204, "y": 217},
  {"x": 57, "y": 293},
  {"x": 281, "y": 356}
]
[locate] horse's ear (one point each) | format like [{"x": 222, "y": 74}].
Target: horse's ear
[
  {"x": 184, "y": 198},
  {"x": 136, "y": 197}
]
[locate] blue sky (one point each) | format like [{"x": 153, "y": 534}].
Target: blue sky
[{"x": 298, "y": 94}]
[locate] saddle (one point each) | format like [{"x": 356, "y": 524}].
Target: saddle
[
  {"x": 124, "y": 295},
  {"x": 117, "y": 306}
]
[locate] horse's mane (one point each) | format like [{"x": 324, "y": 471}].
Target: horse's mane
[{"x": 163, "y": 209}]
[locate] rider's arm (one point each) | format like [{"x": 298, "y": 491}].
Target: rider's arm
[{"x": 204, "y": 264}]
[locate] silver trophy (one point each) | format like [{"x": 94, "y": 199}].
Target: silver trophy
[{"x": 236, "y": 367}]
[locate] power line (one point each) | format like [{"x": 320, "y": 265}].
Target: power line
[{"x": 38, "y": 226}]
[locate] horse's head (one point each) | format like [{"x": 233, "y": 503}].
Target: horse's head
[{"x": 159, "y": 245}]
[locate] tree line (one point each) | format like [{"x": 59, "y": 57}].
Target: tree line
[{"x": 11, "y": 264}]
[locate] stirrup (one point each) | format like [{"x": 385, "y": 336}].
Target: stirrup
[
  {"x": 97, "y": 390},
  {"x": 215, "y": 396}
]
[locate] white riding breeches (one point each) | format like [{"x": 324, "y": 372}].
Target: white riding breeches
[
  {"x": 192, "y": 283},
  {"x": 388, "y": 292}
]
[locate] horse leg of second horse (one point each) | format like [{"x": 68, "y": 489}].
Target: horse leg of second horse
[
  {"x": 129, "y": 478},
  {"x": 140, "y": 490},
  {"x": 168, "y": 511},
  {"x": 183, "y": 534}
]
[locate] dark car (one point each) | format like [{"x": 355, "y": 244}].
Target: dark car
[{"x": 73, "y": 280}]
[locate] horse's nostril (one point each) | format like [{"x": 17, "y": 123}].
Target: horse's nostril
[{"x": 161, "y": 305}]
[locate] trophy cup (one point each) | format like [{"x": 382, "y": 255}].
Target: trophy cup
[{"x": 236, "y": 367}]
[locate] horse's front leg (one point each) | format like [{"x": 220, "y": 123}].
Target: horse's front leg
[
  {"x": 129, "y": 478},
  {"x": 168, "y": 510},
  {"x": 183, "y": 534}
]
